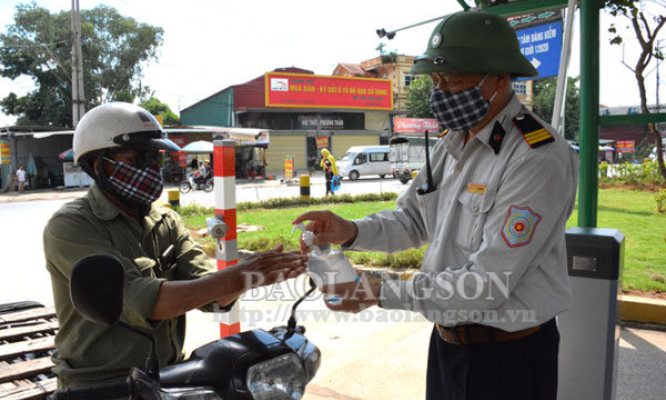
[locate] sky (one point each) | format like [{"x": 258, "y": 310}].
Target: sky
[{"x": 212, "y": 44}]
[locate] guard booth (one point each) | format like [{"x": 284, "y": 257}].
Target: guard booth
[{"x": 590, "y": 333}]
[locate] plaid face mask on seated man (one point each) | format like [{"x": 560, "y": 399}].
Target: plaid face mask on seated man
[{"x": 136, "y": 185}]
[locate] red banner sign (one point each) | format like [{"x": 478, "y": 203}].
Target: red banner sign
[
  {"x": 415, "y": 125},
  {"x": 322, "y": 142},
  {"x": 313, "y": 91},
  {"x": 288, "y": 167},
  {"x": 179, "y": 140},
  {"x": 5, "y": 154},
  {"x": 625, "y": 146}
]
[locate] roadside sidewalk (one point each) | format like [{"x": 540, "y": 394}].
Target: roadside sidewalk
[{"x": 42, "y": 194}]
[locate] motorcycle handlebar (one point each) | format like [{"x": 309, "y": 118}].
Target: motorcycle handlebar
[{"x": 106, "y": 392}]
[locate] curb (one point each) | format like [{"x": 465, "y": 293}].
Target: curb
[
  {"x": 642, "y": 309},
  {"x": 631, "y": 308}
]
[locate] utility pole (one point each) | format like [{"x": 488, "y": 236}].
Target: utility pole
[
  {"x": 658, "y": 62},
  {"x": 78, "y": 96}
]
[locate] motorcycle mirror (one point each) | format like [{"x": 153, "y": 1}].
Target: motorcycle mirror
[{"x": 96, "y": 286}]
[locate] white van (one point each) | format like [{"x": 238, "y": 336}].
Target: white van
[{"x": 365, "y": 160}]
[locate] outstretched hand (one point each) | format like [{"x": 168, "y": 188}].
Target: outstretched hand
[{"x": 269, "y": 267}]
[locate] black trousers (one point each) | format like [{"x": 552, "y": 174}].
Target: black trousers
[
  {"x": 328, "y": 186},
  {"x": 516, "y": 370}
]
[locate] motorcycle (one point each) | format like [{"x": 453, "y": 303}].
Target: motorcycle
[
  {"x": 194, "y": 183},
  {"x": 252, "y": 365}
]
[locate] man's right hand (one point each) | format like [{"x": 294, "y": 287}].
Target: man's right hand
[
  {"x": 328, "y": 228},
  {"x": 269, "y": 267}
]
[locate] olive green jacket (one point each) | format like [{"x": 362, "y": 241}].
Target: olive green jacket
[{"x": 87, "y": 353}]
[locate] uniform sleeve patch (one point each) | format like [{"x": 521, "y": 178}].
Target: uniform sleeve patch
[{"x": 519, "y": 226}]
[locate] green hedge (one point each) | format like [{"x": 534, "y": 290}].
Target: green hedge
[
  {"x": 641, "y": 176},
  {"x": 194, "y": 210}
]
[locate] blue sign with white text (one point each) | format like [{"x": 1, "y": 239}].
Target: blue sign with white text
[{"x": 542, "y": 46}]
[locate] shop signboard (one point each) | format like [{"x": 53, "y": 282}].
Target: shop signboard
[
  {"x": 181, "y": 157},
  {"x": 322, "y": 142},
  {"x": 288, "y": 167},
  {"x": 284, "y": 90},
  {"x": 309, "y": 122},
  {"x": 179, "y": 140},
  {"x": 625, "y": 146},
  {"x": 415, "y": 125},
  {"x": 6, "y": 155}
]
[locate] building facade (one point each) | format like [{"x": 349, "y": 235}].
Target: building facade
[{"x": 298, "y": 132}]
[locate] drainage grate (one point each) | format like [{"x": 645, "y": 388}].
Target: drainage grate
[{"x": 27, "y": 332}]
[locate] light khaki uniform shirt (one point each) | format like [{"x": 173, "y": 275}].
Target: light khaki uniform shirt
[
  {"x": 495, "y": 228},
  {"x": 87, "y": 353}
]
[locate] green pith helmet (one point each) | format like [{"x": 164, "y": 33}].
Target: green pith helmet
[{"x": 473, "y": 42}]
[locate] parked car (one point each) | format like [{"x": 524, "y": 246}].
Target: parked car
[{"x": 363, "y": 161}]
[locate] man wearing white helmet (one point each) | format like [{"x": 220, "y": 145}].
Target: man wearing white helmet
[{"x": 120, "y": 146}]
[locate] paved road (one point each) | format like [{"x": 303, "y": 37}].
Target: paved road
[
  {"x": 24, "y": 276},
  {"x": 364, "y": 357},
  {"x": 250, "y": 191}
]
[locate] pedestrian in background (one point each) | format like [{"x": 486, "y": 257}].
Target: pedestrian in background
[
  {"x": 330, "y": 170},
  {"x": 20, "y": 177}
]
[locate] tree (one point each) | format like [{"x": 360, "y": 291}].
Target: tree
[
  {"x": 38, "y": 45},
  {"x": 544, "y": 100},
  {"x": 646, "y": 35},
  {"x": 156, "y": 107},
  {"x": 387, "y": 57},
  {"x": 418, "y": 97}
]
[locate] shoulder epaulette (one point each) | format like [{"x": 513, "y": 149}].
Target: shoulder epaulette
[{"x": 533, "y": 132}]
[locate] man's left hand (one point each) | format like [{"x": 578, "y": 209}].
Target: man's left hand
[{"x": 353, "y": 296}]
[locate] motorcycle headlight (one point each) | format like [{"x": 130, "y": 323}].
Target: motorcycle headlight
[
  {"x": 201, "y": 393},
  {"x": 276, "y": 379}
]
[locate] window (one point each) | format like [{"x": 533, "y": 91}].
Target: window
[
  {"x": 520, "y": 88},
  {"x": 409, "y": 79},
  {"x": 361, "y": 159},
  {"x": 374, "y": 157}
]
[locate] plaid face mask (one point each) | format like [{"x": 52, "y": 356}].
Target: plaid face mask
[
  {"x": 136, "y": 185},
  {"x": 461, "y": 110}
]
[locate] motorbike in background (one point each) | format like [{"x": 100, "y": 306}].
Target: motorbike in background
[{"x": 194, "y": 182}]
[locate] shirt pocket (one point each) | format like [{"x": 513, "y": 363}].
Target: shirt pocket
[
  {"x": 428, "y": 204},
  {"x": 474, "y": 209},
  {"x": 146, "y": 266}
]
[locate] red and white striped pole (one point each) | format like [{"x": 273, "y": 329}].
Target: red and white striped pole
[{"x": 224, "y": 165}]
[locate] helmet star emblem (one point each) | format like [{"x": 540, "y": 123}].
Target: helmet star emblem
[{"x": 436, "y": 40}]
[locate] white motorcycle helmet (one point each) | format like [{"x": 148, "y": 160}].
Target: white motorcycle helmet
[{"x": 119, "y": 125}]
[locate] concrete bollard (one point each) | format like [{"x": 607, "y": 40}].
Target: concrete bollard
[
  {"x": 174, "y": 197},
  {"x": 305, "y": 187}
]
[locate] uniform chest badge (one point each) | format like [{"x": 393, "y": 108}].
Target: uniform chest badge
[{"x": 519, "y": 226}]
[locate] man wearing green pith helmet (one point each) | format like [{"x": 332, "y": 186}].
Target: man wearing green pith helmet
[{"x": 493, "y": 211}]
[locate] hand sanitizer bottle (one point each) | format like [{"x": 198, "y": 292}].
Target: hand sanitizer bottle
[{"x": 325, "y": 265}]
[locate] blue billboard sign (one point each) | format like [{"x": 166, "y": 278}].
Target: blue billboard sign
[{"x": 542, "y": 46}]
